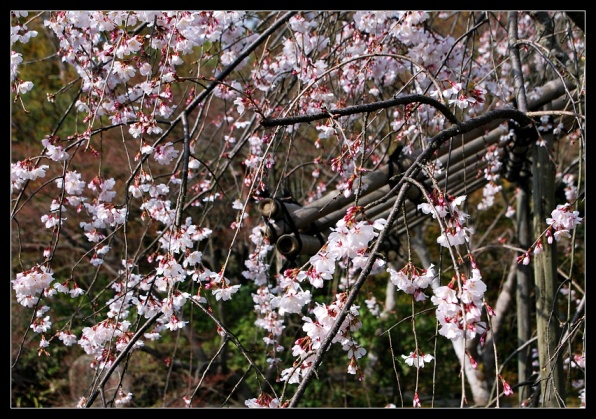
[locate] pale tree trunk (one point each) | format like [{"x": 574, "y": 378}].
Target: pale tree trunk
[
  {"x": 474, "y": 376},
  {"x": 417, "y": 242},
  {"x": 500, "y": 308}
]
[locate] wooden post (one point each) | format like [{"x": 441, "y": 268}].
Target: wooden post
[
  {"x": 545, "y": 278},
  {"x": 523, "y": 277}
]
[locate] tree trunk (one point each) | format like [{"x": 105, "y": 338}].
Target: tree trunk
[{"x": 474, "y": 376}]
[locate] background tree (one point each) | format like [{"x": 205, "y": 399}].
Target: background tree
[{"x": 298, "y": 208}]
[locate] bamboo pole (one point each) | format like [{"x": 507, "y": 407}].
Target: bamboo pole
[
  {"x": 415, "y": 219},
  {"x": 337, "y": 203},
  {"x": 473, "y": 142},
  {"x": 336, "y": 200},
  {"x": 324, "y": 213},
  {"x": 460, "y": 171},
  {"x": 292, "y": 245},
  {"x": 274, "y": 208}
]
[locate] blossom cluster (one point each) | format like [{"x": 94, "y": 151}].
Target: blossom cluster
[
  {"x": 447, "y": 208},
  {"x": 19, "y": 33},
  {"x": 347, "y": 245},
  {"x": 263, "y": 401},
  {"x": 317, "y": 331},
  {"x": 459, "y": 306},
  {"x": 491, "y": 174},
  {"x": 563, "y": 219},
  {"x": 411, "y": 280}
]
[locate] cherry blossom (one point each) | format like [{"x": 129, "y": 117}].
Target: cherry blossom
[
  {"x": 25, "y": 170},
  {"x": 67, "y": 337},
  {"x": 562, "y": 220},
  {"x": 136, "y": 79},
  {"x": 264, "y": 400},
  {"x": 226, "y": 292},
  {"x": 164, "y": 154},
  {"x": 416, "y": 401},
  {"x": 29, "y": 284},
  {"x": 417, "y": 360}
]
